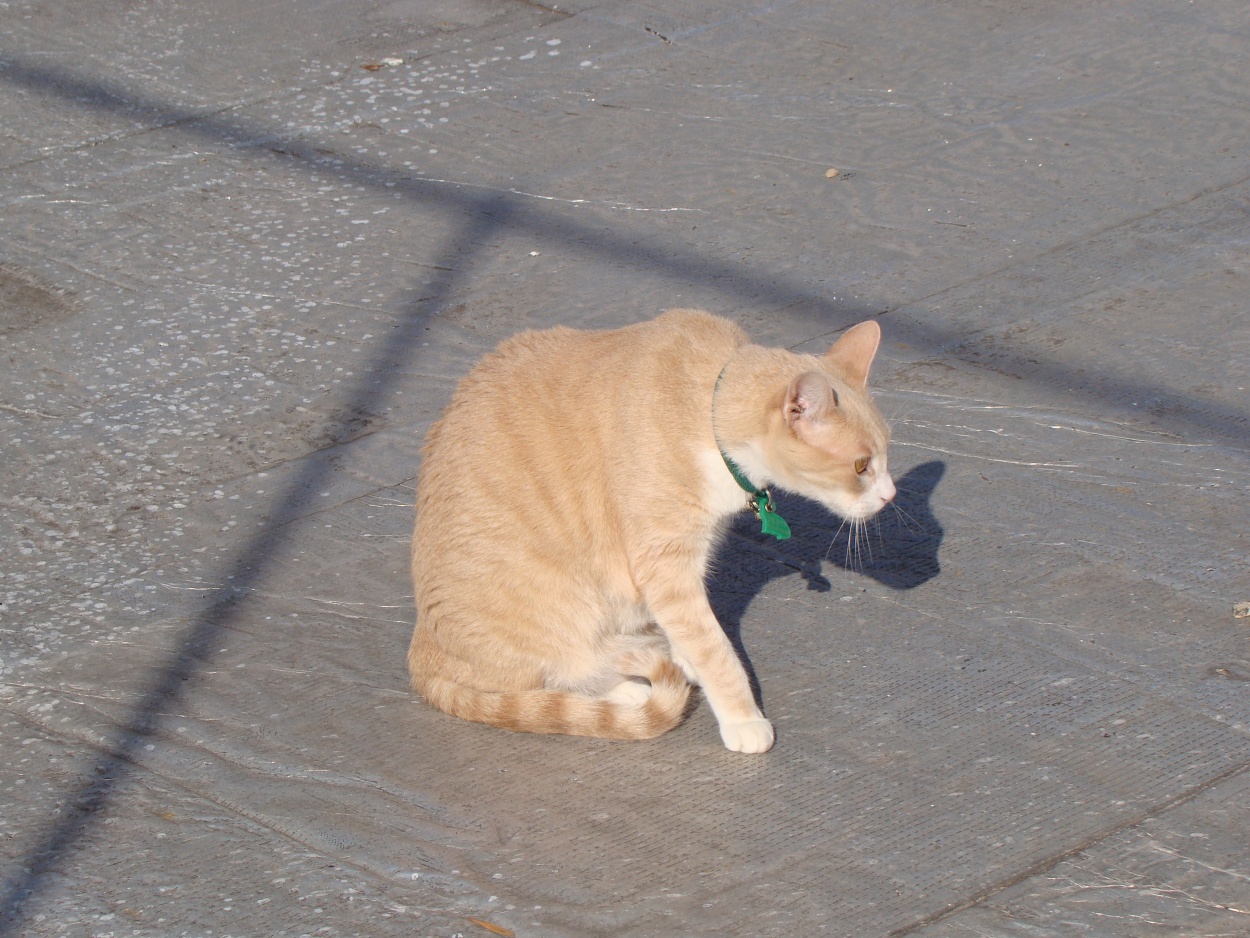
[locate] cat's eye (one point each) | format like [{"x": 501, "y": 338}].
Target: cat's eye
[{"x": 861, "y": 465}]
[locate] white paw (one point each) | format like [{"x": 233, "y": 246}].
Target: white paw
[
  {"x": 630, "y": 693},
  {"x": 748, "y": 736}
]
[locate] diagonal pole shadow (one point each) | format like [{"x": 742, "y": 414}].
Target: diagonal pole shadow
[
  {"x": 245, "y": 573},
  {"x": 1186, "y": 413}
]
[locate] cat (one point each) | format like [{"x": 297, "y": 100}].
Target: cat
[{"x": 573, "y": 493}]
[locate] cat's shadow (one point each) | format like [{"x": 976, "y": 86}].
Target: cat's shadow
[{"x": 898, "y": 548}]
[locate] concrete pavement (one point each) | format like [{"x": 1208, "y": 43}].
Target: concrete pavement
[{"x": 247, "y": 250}]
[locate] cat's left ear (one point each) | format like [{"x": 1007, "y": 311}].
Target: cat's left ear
[
  {"x": 809, "y": 397},
  {"x": 851, "y": 356}
]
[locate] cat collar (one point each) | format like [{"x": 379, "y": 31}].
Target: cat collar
[{"x": 759, "y": 501}]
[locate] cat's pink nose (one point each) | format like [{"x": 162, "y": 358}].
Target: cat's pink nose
[{"x": 888, "y": 491}]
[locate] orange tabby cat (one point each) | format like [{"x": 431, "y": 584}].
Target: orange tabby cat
[{"x": 573, "y": 493}]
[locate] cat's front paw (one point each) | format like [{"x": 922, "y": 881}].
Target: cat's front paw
[{"x": 748, "y": 736}]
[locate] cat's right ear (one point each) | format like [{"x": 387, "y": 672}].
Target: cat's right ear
[
  {"x": 852, "y": 355},
  {"x": 809, "y": 397}
]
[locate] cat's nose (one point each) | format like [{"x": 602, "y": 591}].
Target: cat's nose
[{"x": 888, "y": 491}]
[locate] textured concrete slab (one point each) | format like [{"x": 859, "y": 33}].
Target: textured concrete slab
[{"x": 247, "y": 251}]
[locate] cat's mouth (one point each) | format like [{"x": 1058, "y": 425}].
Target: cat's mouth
[{"x": 869, "y": 503}]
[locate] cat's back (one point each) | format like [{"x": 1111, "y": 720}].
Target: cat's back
[
  {"x": 689, "y": 333},
  {"x": 524, "y": 358},
  {"x": 538, "y": 371}
]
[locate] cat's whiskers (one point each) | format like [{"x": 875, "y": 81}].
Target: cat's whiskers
[
  {"x": 835, "y": 538},
  {"x": 899, "y": 412},
  {"x": 906, "y": 518},
  {"x": 854, "y": 546},
  {"x": 858, "y": 542},
  {"x": 908, "y": 522},
  {"x": 850, "y": 541},
  {"x": 866, "y": 547}
]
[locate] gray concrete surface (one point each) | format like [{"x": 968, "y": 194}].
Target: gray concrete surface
[{"x": 240, "y": 273}]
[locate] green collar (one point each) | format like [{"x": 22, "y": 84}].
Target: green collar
[{"x": 759, "y": 501}]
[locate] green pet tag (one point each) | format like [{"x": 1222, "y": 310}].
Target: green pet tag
[{"x": 771, "y": 523}]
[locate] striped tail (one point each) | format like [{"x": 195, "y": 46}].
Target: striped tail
[{"x": 555, "y": 711}]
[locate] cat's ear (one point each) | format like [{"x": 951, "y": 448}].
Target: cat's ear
[
  {"x": 851, "y": 356},
  {"x": 809, "y": 398}
]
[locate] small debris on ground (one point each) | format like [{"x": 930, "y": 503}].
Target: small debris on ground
[
  {"x": 493, "y": 928},
  {"x": 1241, "y": 610}
]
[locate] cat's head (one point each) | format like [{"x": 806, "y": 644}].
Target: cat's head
[{"x": 829, "y": 440}]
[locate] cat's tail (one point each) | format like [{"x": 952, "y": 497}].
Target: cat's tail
[{"x": 556, "y": 711}]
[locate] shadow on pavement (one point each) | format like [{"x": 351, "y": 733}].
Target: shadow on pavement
[
  {"x": 246, "y": 573},
  {"x": 898, "y": 548}
]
